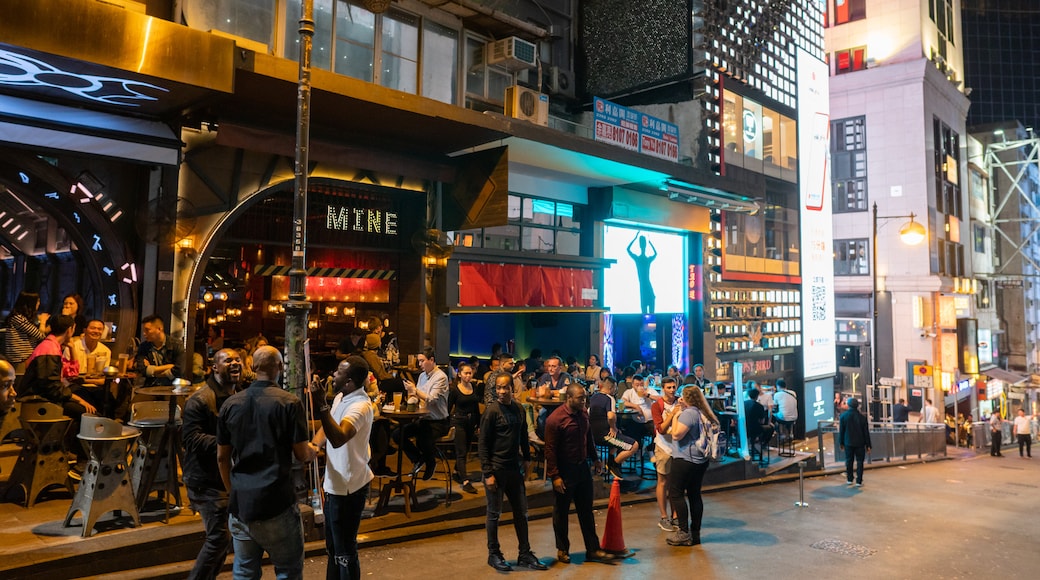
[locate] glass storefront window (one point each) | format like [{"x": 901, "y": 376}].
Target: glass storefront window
[
  {"x": 539, "y": 240},
  {"x": 502, "y": 238},
  {"x": 732, "y": 143},
  {"x": 788, "y": 143},
  {"x": 758, "y": 138},
  {"x": 252, "y": 19},
  {"x": 535, "y": 225}
]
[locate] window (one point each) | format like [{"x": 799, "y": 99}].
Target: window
[
  {"x": 851, "y": 60},
  {"x": 947, "y": 251},
  {"x": 850, "y": 258},
  {"x": 535, "y": 225},
  {"x": 379, "y": 48},
  {"x": 849, "y": 10},
  {"x": 485, "y": 85},
  {"x": 979, "y": 236},
  {"x": 758, "y": 138},
  {"x": 849, "y": 159}
]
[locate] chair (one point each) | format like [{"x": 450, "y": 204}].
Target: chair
[
  {"x": 445, "y": 446},
  {"x": 785, "y": 439},
  {"x": 106, "y": 480},
  {"x": 12, "y": 421},
  {"x": 41, "y": 463},
  {"x": 150, "y": 467}
]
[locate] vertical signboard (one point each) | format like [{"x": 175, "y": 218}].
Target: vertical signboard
[{"x": 818, "y": 348}]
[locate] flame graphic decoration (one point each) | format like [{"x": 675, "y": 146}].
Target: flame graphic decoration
[{"x": 19, "y": 70}]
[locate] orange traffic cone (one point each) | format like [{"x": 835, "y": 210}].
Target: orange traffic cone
[{"x": 613, "y": 538}]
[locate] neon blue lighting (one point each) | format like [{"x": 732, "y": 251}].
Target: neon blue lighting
[
  {"x": 25, "y": 178},
  {"x": 52, "y": 195},
  {"x": 565, "y": 210},
  {"x": 542, "y": 206},
  {"x": 31, "y": 72},
  {"x": 97, "y": 243}
]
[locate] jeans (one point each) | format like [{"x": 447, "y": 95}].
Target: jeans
[
  {"x": 508, "y": 482},
  {"x": 212, "y": 505},
  {"x": 379, "y": 443},
  {"x": 465, "y": 433},
  {"x": 859, "y": 454},
  {"x": 1025, "y": 441},
  {"x": 342, "y": 521},
  {"x": 577, "y": 480},
  {"x": 684, "y": 484},
  {"x": 425, "y": 432},
  {"x": 281, "y": 536}
]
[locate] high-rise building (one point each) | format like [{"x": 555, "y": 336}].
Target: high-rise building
[{"x": 898, "y": 113}]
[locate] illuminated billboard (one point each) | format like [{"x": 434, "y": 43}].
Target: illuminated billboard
[{"x": 649, "y": 275}]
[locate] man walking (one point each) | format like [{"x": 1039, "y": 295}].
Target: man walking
[
  {"x": 502, "y": 439},
  {"x": 1020, "y": 430},
  {"x": 345, "y": 429},
  {"x": 259, "y": 431},
  {"x": 929, "y": 414},
  {"x": 206, "y": 489},
  {"x": 854, "y": 435},
  {"x": 568, "y": 450}
]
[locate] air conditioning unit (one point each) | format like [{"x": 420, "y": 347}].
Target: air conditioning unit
[
  {"x": 512, "y": 54},
  {"x": 527, "y": 104},
  {"x": 561, "y": 82}
]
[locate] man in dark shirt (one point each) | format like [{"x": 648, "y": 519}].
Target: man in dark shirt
[
  {"x": 900, "y": 412},
  {"x": 854, "y": 438},
  {"x": 603, "y": 421},
  {"x": 259, "y": 431},
  {"x": 568, "y": 449},
  {"x": 201, "y": 475},
  {"x": 758, "y": 429},
  {"x": 503, "y": 437},
  {"x": 158, "y": 359}
]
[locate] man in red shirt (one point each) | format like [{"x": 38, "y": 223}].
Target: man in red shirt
[{"x": 568, "y": 450}]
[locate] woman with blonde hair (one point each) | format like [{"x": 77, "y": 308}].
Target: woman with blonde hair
[{"x": 688, "y": 466}]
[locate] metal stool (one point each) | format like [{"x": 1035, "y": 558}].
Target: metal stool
[
  {"x": 443, "y": 446},
  {"x": 11, "y": 422},
  {"x": 785, "y": 439},
  {"x": 106, "y": 480},
  {"x": 150, "y": 469},
  {"x": 41, "y": 463}
]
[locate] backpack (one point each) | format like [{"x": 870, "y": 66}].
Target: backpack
[{"x": 708, "y": 440}]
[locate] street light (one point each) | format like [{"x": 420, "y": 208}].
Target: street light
[{"x": 912, "y": 233}]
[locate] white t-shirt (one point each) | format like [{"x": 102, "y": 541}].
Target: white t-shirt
[
  {"x": 347, "y": 468},
  {"x": 644, "y": 403},
  {"x": 663, "y": 441},
  {"x": 1022, "y": 425},
  {"x": 79, "y": 353},
  {"x": 786, "y": 406}
]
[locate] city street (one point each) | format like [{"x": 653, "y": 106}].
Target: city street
[{"x": 962, "y": 518}]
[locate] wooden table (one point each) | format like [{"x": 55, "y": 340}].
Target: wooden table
[
  {"x": 398, "y": 484},
  {"x": 171, "y": 442},
  {"x": 549, "y": 404}
]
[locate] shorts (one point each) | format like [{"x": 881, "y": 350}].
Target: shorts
[
  {"x": 662, "y": 461},
  {"x": 621, "y": 442}
]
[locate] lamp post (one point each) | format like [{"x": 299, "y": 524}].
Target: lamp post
[{"x": 912, "y": 233}]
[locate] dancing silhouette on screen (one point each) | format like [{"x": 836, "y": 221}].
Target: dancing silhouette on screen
[{"x": 642, "y": 260}]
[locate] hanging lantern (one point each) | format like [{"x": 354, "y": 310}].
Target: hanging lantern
[{"x": 376, "y": 6}]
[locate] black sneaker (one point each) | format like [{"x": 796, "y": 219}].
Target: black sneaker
[
  {"x": 600, "y": 556},
  {"x": 468, "y": 487},
  {"x": 614, "y": 469},
  {"x": 530, "y": 561},
  {"x": 498, "y": 562},
  {"x": 383, "y": 471}
]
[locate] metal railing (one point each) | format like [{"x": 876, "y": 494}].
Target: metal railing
[{"x": 889, "y": 441}]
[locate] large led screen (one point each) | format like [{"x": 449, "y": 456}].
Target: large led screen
[{"x": 649, "y": 275}]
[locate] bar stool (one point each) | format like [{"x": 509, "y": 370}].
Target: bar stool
[
  {"x": 41, "y": 463},
  {"x": 150, "y": 469},
  {"x": 785, "y": 439},
  {"x": 11, "y": 422},
  {"x": 444, "y": 446},
  {"x": 106, "y": 480}
]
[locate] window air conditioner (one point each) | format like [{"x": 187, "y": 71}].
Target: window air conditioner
[
  {"x": 512, "y": 54},
  {"x": 527, "y": 104}
]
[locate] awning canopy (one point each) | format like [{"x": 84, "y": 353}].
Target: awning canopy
[
  {"x": 1003, "y": 375},
  {"x": 39, "y": 124}
]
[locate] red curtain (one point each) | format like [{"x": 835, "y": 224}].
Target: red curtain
[{"x": 511, "y": 285}]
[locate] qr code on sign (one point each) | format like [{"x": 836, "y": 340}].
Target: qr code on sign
[{"x": 819, "y": 301}]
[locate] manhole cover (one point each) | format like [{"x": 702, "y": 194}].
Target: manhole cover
[{"x": 844, "y": 548}]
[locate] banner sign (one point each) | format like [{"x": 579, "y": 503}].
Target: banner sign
[{"x": 635, "y": 131}]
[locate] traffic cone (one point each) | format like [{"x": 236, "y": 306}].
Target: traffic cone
[{"x": 613, "y": 537}]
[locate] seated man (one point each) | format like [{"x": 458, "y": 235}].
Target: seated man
[
  {"x": 759, "y": 431},
  {"x": 84, "y": 348},
  {"x": 6, "y": 388},
  {"x": 603, "y": 422},
  {"x": 44, "y": 378},
  {"x": 418, "y": 439},
  {"x": 786, "y": 405},
  {"x": 640, "y": 398}
]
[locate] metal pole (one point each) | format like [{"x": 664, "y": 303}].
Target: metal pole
[
  {"x": 801, "y": 485},
  {"x": 297, "y": 307},
  {"x": 874, "y": 370}
]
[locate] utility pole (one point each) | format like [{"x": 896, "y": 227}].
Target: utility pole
[{"x": 297, "y": 307}]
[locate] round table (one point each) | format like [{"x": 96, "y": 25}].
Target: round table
[
  {"x": 171, "y": 441},
  {"x": 547, "y": 403},
  {"x": 398, "y": 484}
]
